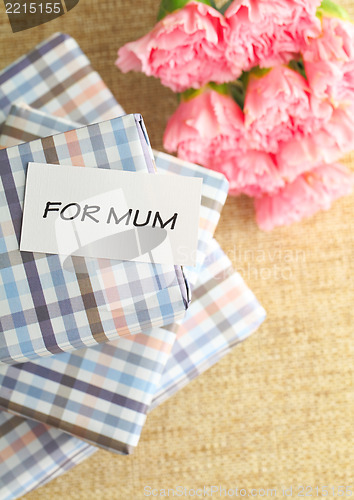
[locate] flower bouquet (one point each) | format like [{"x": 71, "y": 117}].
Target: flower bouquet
[{"x": 266, "y": 92}]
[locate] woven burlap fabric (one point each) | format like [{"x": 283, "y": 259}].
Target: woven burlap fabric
[{"x": 278, "y": 411}]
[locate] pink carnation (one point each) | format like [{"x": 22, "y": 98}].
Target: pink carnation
[
  {"x": 329, "y": 144},
  {"x": 269, "y": 32},
  {"x": 308, "y": 194},
  {"x": 186, "y": 49},
  {"x": 280, "y": 107},
  {"x": 208, "y": 129},
  {"x": 252, "y": 173},
  {"x": 205, "y": 129},
  {"x": 329, "y": 61}
]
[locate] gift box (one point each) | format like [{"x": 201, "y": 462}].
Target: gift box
[
  {"x": 25, "y": 124},
  {"x": 134, "y": 363},
  {"x": 24, "y": 121},
  {"x": 49, "y": 306},
  {"x": 57, "y": 77},
  {"x": 32, "y": 454},
  {"x": 102, "y": 394},
  {"x": 202, "y": 345},
  {"x": 223, "y": 313}
]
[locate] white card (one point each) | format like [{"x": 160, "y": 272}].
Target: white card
[{"x": 111, "y": 214}]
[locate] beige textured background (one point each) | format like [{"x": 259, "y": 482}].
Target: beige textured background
[{"x": 279, "y": 410}]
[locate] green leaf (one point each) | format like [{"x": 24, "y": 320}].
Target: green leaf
[
  {"x": 238, "y": 92},
  {"x": 224, "y": 8},
  {"x": 298, "y": 66},
  {"x": 331, "y": 9},
  {"x": 259, "y": 72},
  {"x": 222, "y": 88},
  {"x": 192, "y": 93},
  {"x": 168, "y": 6},
  {"x": 238, "y": 88}
]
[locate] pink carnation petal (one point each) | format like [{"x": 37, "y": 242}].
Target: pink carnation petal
[
  {"x": 280, "y": 108},
  {"x": 307, "y": 195},
  {"x": 186, "y": 49},
  {"x": 329, "y": 61},
  {"x": 252, "y": 172},
  {"x": 329, "y": 144},
  {"x": 206, "y": 129},
  {"x": 266, "y": 33}
]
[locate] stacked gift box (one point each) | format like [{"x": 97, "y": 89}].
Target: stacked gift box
[{"x": 86, "y": 349}]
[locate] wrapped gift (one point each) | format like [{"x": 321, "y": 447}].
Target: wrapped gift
[
  {"x": 223, "y": 313},
  {"x": 24, "y": 440},
  {"x": 25, "y": 122},
  {"x": 134, "y": 377},
  {"x": 49, "y": 306},
  {"x": 57, "y": 77},
  {"x": 100, "y": 394},
  {"x": 31, "y": 454}
]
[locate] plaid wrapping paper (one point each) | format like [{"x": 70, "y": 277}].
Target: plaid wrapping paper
[
  {"x": 214, "y": 192},
  {"x": 24, "y": 123},
  {"x": 46, "y": 308},
  {"x": 57, "y": 77},
  {"x": 31, "y": 454},
  {"x": 42, "y": 462},
  {"x": 223, "y": 313},
  {"x": 134, "y": 379},
  {"x": 100, "y": 394}
]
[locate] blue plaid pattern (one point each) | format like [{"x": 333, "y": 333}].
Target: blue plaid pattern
[
  {"x": 32, "y": 454},
  {"x": 214, "y": 333},
  {"x": 132, "y": 366},
  {"x": 54, "y": 76},
  {"x": 48, "y": 309},
  {"x": 43, "y": 463},
  {"x": 227, "y": 312}
]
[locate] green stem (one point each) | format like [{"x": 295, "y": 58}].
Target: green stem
[
  {"x": 224, "y": 8},
  {"x": 298, "y": 66},
  {"x": 192, "y": 93},
  {"x": 331, "y": 9},
  {"x": 168, "y": 6}
]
